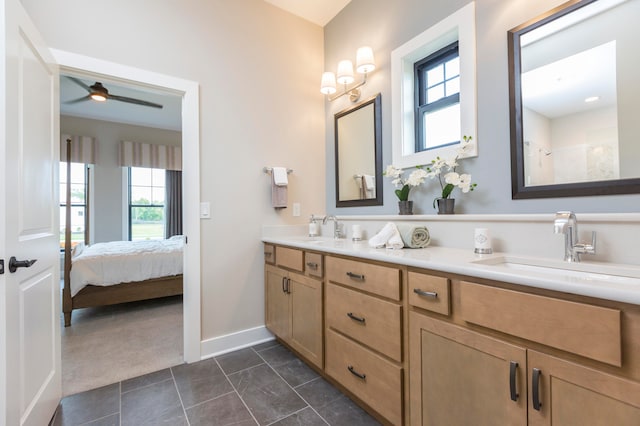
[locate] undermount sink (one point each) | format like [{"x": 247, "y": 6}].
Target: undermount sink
[{"x": 583, "y": 271}]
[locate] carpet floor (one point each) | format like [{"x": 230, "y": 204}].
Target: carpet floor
[{"x": 114, "y": 343}]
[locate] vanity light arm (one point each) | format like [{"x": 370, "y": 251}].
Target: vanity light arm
[{"x": 348, "y": 90}]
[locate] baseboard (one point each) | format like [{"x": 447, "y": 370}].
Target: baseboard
[{"x": 234, "y": 341}]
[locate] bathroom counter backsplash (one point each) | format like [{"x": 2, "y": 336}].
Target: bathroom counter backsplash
[{"x": 458, "y": 256}]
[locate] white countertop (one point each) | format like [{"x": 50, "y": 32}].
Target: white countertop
[{"x": 595, "y": 284}]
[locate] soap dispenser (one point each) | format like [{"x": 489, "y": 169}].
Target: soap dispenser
[{"x": 313, "y": 226}]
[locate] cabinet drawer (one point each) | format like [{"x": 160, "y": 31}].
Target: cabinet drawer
[
  {"x": 380, "y": 280},
  {"x": 587, "y": 330},
  {"x": 380, "y": 381},
  {"x": 429, "y": 292},
  {"x": 269, "y": 254},
  {"x": 313, "y": 264},
  {"x": 367, "y": 319},
  {"x": 289, "y": 258}
]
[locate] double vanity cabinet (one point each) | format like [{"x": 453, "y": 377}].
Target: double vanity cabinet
[{"x": 420, "y": 346}]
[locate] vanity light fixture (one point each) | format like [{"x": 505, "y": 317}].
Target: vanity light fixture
[{"x": 364, "y": 65}]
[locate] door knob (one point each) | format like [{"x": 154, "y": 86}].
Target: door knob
[{"x": 14, "y": 264}]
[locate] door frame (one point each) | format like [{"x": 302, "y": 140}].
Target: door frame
[{"x": 189, "y": 91}]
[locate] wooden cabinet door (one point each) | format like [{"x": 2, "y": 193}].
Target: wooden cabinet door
[
  {"x": 306, "y": 317},
  {"x": 277, "y": 302},
  {"x": 460, "y": 377},
  {"x": 572, "y": 394}
]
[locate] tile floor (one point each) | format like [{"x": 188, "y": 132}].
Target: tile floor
[{"x": 265, "y": 384}]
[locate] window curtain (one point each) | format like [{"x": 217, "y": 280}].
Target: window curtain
[
  {"x": 173, "y": 203},
  {"x": 84, "y": 149},
  {"x": 137, "y": 154}
]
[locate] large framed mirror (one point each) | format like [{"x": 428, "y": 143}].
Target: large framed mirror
[
  {"x": 573, "y": 91},
  {"x": 358, "y": 149}
]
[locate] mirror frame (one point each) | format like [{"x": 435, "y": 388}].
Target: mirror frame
[
  {"x": 518, "y": 188},
  {"x": 377, "y": 123}
]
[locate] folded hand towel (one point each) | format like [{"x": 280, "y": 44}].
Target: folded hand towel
[
  {"x": 381, "y": 238},
  {"x": 278, "y": 195},
  {"x": 395, "y": 241},
  {"x": 414, "y": 236},
  {"x": 280, "y": 176}
]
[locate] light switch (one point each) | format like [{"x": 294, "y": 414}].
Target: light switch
[
  {"x": 205, "y": 210},
  {"x": 296, "y": 209}
]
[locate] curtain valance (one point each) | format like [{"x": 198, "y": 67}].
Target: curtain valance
[
  {"x": 84, "y": 149},
  {"x": 137, "y": 154}
]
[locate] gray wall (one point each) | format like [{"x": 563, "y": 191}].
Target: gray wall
[
  {"x": 387, "y": 25},
  {"x": 108, "y": 188}
]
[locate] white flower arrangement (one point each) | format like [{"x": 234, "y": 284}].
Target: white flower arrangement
[
  {"x": 445, "y": 171},
  {"x": 416, "y": 178}
]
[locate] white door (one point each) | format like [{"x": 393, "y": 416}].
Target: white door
[{"x": 30, "y": 378}]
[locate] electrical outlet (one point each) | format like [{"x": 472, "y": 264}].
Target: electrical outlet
[{"x": 296, "y": 209}]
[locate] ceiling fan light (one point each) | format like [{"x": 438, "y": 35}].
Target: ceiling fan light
[{"x": 97, "y": 96}]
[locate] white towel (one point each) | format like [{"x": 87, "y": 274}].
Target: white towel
[
  {"x": 280, "y": 176},
  {"x": 382, "y": 237},
  {"x": 395, "y": 241},
  {"x": 369, "y": 183}
]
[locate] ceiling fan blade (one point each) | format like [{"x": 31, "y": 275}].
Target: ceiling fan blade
[
  {"x": 134, "y": 101},
  {"x": 75, "y": 101},
  {"x": 79, "y": 83}
]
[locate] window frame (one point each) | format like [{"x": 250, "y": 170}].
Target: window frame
[
  {"x": 459, "y": 26},
  {"x": 87, "y": 205},
  {"x": 422, "y": 106},
  {"x": 130, "y": 205}
]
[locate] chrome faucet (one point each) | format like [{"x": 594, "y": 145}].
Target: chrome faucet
[
  {"x": 336, "y": 225},
  {"x": 567, "y": 224}
]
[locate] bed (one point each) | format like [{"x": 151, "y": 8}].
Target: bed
[{"x": 118, "y": 272}]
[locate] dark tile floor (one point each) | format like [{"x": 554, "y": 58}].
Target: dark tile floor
[{"x": 265, "y": 384}]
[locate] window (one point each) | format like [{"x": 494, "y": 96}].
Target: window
[
  {"x": 79, "y": 225},
  {"x": 437, "y": 100},
  {"x": 146, "y": 203},
  {"x": 419, "y": 138}
]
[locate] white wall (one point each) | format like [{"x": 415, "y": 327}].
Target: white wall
[
  {"x": 258, "y": 68},
  {"x": 387, "y": 25},
  {"x": 107, "y": 177}
]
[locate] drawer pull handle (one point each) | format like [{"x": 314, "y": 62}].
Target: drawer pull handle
[
  {"x": 513, "y": 368},
  {"x": 284, "y": 285},
  {"x": 355, "y": 373},
  {"x": 358, "y": 277},
  {"x": 431, "y": 294},
  {"x": 355, "y": 318},
  {"x": 312, "y": 265},
  {"x": 535, "y": 389},
  {"x": 268, "y": 254}
]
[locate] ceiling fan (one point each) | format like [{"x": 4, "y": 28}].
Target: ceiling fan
[{"x": 99, "y": 93}]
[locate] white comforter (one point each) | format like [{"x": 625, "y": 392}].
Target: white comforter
[{"x": 118, "y": 262}]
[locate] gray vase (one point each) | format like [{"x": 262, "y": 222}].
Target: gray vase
[
  {"x": 405, "y": 207},
  {"x": 445, "y": 205}
]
